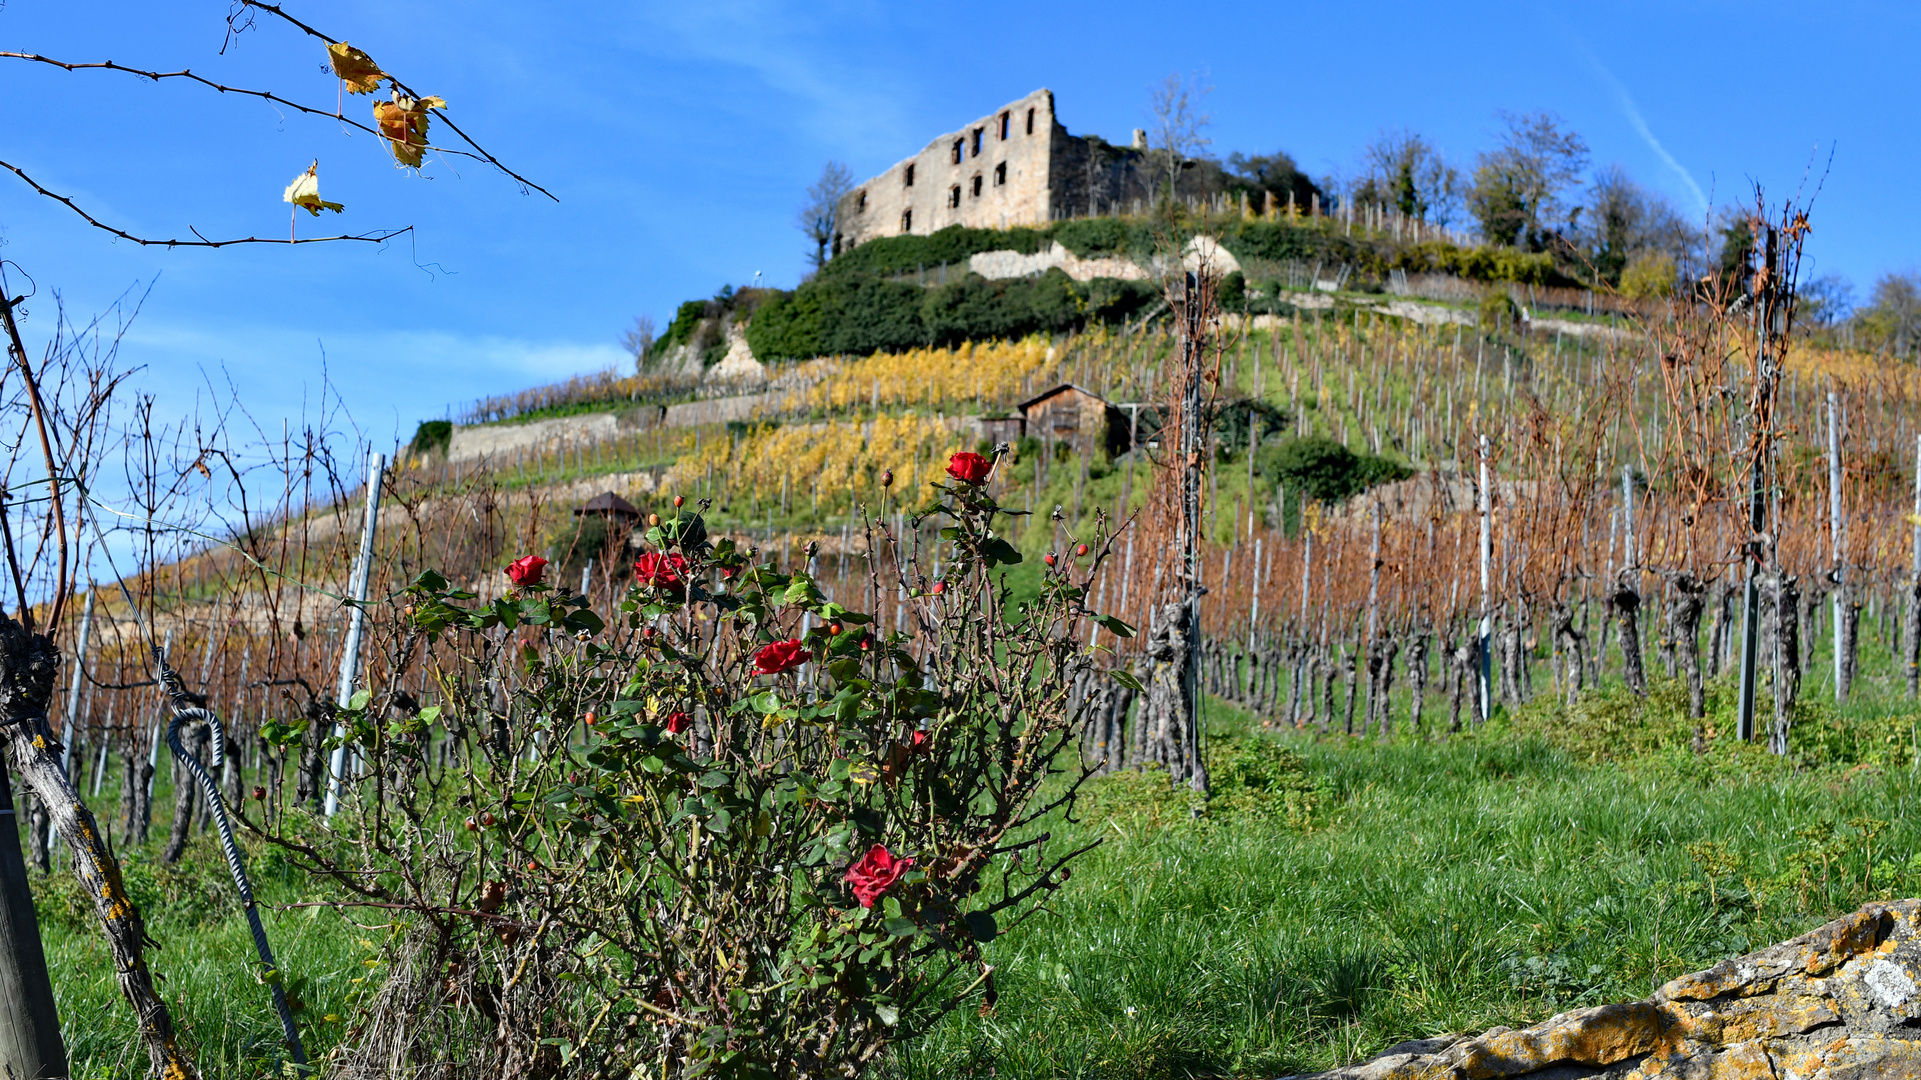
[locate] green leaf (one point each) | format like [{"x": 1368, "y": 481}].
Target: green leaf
[
  {"x": 998, "y": 551},
  {"x": 901, "y": 927},
  {"x": 982, "y": 925},
  {"x": 430, "y": 714},
  {"x": 1126, "y": 680},
  {"x": 1115, "y": 626},
  {"x": 429, "y": 582},
  {"x": 359, "y": 701}
]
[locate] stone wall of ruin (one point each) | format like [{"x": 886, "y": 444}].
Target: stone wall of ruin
[{"x": 993, "y": 173}]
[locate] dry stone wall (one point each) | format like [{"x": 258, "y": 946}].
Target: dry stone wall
[{"x": 1840, "y": 1003}]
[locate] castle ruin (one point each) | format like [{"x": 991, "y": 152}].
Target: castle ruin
[{"x": 1015, "y": 166}]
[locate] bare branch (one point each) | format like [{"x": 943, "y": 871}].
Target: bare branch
[{"x": 377, "y": 237}]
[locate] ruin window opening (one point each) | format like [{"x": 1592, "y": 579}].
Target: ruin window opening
[
  {"x": 910, "y": 176},
  {"x": 906, "y": 221},
  {"x": 953, "y": 196},
  {"x": 978, "y": 132},
  {"x": 1030, "y": 121},
  {"x": 860, "y": 202},
  {"x": 1000, "y": 174},
  {"x": 1006, "y": 120},
  {"x": 959, "y": 145},
  {"x": 977, "y": 185}
]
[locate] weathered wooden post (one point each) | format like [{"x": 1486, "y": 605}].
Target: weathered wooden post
[
  {"x": 1913, "y": 642},
  {"x": 71, "y": 731},
  {"x": 30, "y": 1043},
  {"x": 1483, "y": 697},
  {"x": 356, "y": 625},
  {"x": 1760, "y": 413},
  {"x": 1837, "y": 528}
]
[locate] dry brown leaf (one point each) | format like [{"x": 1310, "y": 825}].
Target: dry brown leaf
[
  {"x": 355, "y": 68},
  {"x": 404, "y": 122},
  {"x": 305, "y": 192}
]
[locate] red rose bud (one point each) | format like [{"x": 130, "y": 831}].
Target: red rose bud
[
  {"x": 875, "y": 873},
  {"x": 653, "y": 519},
  {"x": 781, "y": 656},
  {"x": 887, "y": 478},
  {"x": 1048, "y": 558},
  {"x": 487, "y": 820},
  {"x": 834, "y": 629},
  {"x": 680, "y": 501},
  {"x": 590, "y": 718},
  {"x": 867, "y": 641},
  {"x": 939, "y": 587},
  {"x": 662, "y": 571},
  {"x": 527, "y": 570},
  {"x": 472, "y": 825},
  {"x": 259, "y": 794},
  {"x": 678, "y": 722},
  {"x": 969, "y": 467},
  {"x": 532, "y": 866},
  {"x": 1081, "y": 551}
]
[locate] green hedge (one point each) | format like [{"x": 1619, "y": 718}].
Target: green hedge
[{"x": 850, "y": 315}]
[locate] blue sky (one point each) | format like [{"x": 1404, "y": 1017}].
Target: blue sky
[{"x": 678, "y": 138}]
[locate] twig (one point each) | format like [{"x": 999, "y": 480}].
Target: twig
[
  {"x": 479, "y": 151},
  {"x": 380, "y": 237}
]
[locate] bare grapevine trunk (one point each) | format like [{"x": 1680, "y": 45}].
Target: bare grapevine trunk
[
  {"x": 1787, "y": 674},
  {"x": 194, "y": 741},
  {"x": 1911, "y": 637},
  {"x": 1626, "y": 605},
  {"x": 27, "y": 666},
  {"x": 1384, "y": 683},
  {"x": 1684, "y": 634},
  {"x": 1850, "y": 636},
  {"x": 1350, "y": 666},
  {"x": 1417, "y": 678},
  {"x": 1170, "y": 698},
  {"x": 1569, "y": 644}
]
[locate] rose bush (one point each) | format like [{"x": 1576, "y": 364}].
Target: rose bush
[{"x": 622, "y": 850}]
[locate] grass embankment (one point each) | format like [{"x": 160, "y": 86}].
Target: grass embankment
[
  {"x": 1332, "y": 898},
  {"x": 1492, "y": 879}
]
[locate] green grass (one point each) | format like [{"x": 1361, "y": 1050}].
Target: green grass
[{"x": 1440, "y": 887}]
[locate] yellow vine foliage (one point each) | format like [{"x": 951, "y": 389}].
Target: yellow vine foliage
[
  {"x": 994, "y": 373},
  {"x": 840, "y": 461}
]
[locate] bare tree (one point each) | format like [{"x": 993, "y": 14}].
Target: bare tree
[
  {"x": 1179, "y": 129},
  {"x": 1892, "y": 319},
  {"x": 820, "y": 214},
  {"x": 1517, "y": 189},
  {"x": 1405, "y": 170},
  {"x": 639, "y": 340},
  {"x": 1622, "y": 220}
]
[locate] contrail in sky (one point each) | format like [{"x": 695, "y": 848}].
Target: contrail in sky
[{"x": 1633, "y": 112}]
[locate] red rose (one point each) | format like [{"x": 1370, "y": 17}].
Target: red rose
[
  {"x": 969, "y": 467},
  {"x": 661, "y": 571},
  {"x": 781, "y": 656},
  {"x": 875, "y": 873},
  {"x": 678, "y": 722},
  {"x": 526, "y": 570}
]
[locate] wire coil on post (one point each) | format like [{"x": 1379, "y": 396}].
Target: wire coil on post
[{"x": 184, "y": 713}]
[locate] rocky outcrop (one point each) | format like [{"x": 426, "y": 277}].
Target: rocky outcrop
[{"x": 1840, "y": 1003}]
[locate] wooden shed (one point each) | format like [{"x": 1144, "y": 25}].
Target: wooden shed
[{"x": 1081, "y": 418}]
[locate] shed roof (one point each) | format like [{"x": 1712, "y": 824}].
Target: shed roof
[
  {"x": 607, "y": 503},
  {"x": 1055, "y": 392}
]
